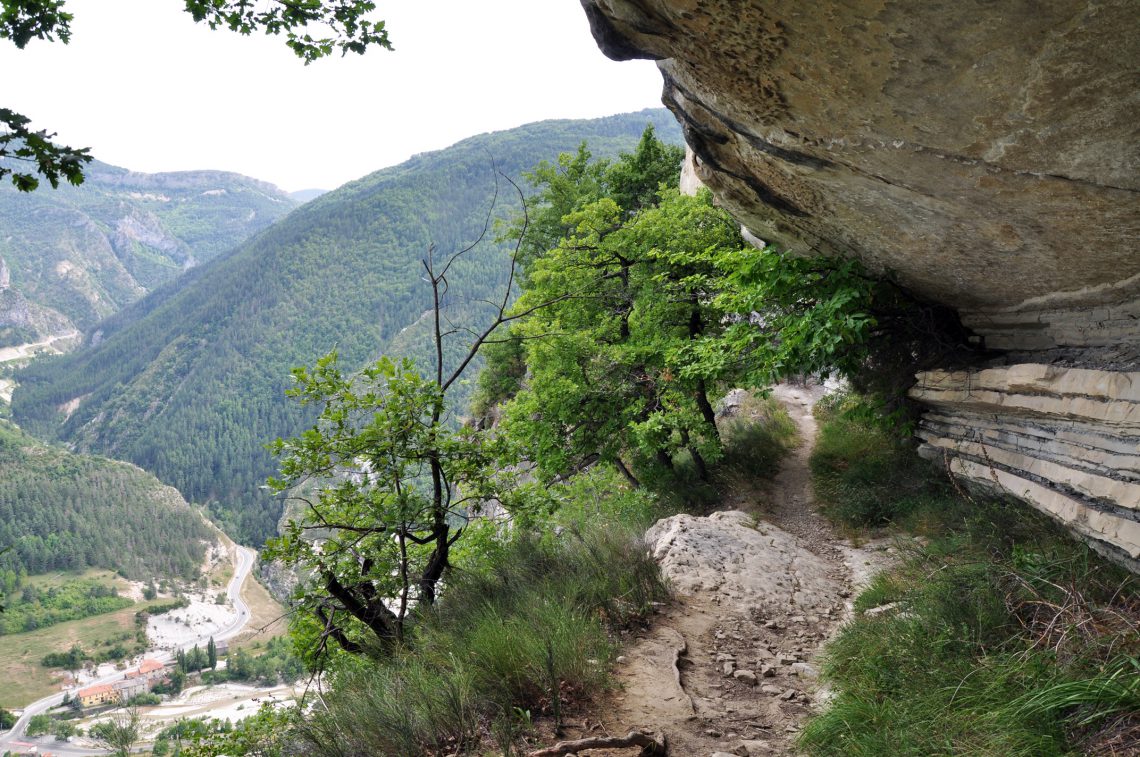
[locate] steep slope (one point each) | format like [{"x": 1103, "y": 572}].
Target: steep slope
[
  {"x": 63, "y": 511},
  {"x": 75, "y": 255},
  {"x": 189, "y": 383}
]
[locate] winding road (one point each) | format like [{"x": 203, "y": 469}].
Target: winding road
[
  {"x": 19, "y": 352},
  {"x": 245, "y": 559},
  {"x": 27, "y": 350}
]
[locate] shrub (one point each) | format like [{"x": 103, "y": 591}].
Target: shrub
[{"x": 523, "y": 629}]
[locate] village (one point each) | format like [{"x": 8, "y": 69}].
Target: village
[{"x": 141, "y": 680}]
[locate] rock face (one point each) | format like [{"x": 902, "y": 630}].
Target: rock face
[
  {"x": 986, "y": 156},
  {"x": 943, "y": 142},
  {"x": 1065, "y": 440},
  {"x": 744, "y": 564}
]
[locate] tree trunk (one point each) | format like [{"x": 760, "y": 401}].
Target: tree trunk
[
  {"x": 625, "y": 471},
  {"x": 698, "y": 460},
  {"x": 706, "y": 407}
]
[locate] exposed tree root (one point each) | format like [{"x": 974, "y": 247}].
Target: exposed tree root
[{"x": 652, "y": 745}]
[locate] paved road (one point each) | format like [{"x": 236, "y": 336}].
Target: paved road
[{"x": 245, "y": 560}]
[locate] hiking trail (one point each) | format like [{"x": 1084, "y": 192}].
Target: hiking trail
[{"x": 729, "y": 667}]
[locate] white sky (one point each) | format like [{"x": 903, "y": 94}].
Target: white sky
[{"x": 149, "y": 90}]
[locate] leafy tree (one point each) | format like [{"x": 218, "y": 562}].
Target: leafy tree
[
  {"x": 387, "y": 481},
  {"x": 38, "y": 725},
  {"x": 119, "y": 734},
  {"x": 636, "y": 281},
  {"x": 662, "y": 304},
  {"x": 63, "y": 729},
  {"x": 346, "y": 28},
  {"x": 264, "y": 734},
  {"x": 7, "y": 720}
]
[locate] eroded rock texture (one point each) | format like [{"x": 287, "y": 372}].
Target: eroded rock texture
[
  {"x": 984, "y": 154},
  {"x": 1067, "y": 440}
]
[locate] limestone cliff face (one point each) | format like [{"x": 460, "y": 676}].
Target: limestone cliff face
[{"x": 985, "y": 154}]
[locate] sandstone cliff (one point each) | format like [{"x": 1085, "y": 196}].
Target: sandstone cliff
[{"x": 985, "y": 155}]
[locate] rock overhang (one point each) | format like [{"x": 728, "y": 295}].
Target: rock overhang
[{"x": 985, "y": 156}]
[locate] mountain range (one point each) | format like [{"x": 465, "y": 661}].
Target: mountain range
[
  {"x": 72, "y": 256},
  {"x": 189, "y": 381}
]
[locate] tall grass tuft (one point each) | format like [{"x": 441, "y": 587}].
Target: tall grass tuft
[
  {"x": 866, "y": 475},
  {"x": 526, "y": 629},
  {"x": 1004, "y": 635}
]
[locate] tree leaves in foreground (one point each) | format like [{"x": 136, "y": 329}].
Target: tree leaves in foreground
[{"x": 388, "y": 489}]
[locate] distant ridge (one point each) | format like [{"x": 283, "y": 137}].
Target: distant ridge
[
  {"x": 189, "y": 382},
  {"x": 304, "y": 195},
  {"x": 75, "y": 255}
]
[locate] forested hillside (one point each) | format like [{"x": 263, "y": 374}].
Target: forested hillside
[
  {"x": 189, "y": 382},
  {"x": 63, "y": 511},
  {"x": 72, "y": 256}
]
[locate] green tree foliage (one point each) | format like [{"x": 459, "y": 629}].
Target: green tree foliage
[
  {"x": 189, "y": 383},
  {"x": 34, "y": 608},
  {"x": 388, "y": 486},
  {"x": 345, "y": 24},
  {"x": 119, "y": 734},
  {"x": 63, "y": 729},
  {"x": 267, "y": 733},
  {"x": 661, "y": 305},
  {"x": 38, "y": 725},
  {"x": 62, "y": 511},
  {"x": 72, "y": 659},
  {"x": 635, "y": 278},
  {"x": 276, "y": 663},
  {"x": 20, "y": 142}
]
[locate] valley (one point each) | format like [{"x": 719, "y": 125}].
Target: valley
[
  {"x": 798, "y": 417},
  {"x": 197, "y": 633},
  {"x": 22, "y": 352}
]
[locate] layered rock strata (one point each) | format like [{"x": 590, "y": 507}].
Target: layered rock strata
[
  {"x": 1065, "y": 440},
  {"x": 985, "y": 156}
]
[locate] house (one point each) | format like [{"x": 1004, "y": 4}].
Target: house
[
  {"x": 152, "y": 671},
  {"x": 93, "y": 696},
  {"x": 129, "y": 688},
  {"x": 134, "y": 682}
]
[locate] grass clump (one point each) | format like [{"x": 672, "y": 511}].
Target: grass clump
[
  {"x": 524, "y": 630},
  {"x": 754, "y": 438},
  {"x": 865, "y": 473},
  {"x": 998, "y": 635}
]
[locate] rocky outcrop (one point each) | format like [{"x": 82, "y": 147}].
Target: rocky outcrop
[
  {"x": 1066, "y": 440},
  {"x": 985, "y": 155}
]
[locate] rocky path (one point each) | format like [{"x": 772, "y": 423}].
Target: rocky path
[{"x": 729, "y": 667}]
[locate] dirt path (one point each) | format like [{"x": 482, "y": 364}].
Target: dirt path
[{"x": 730, "y": 666}]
